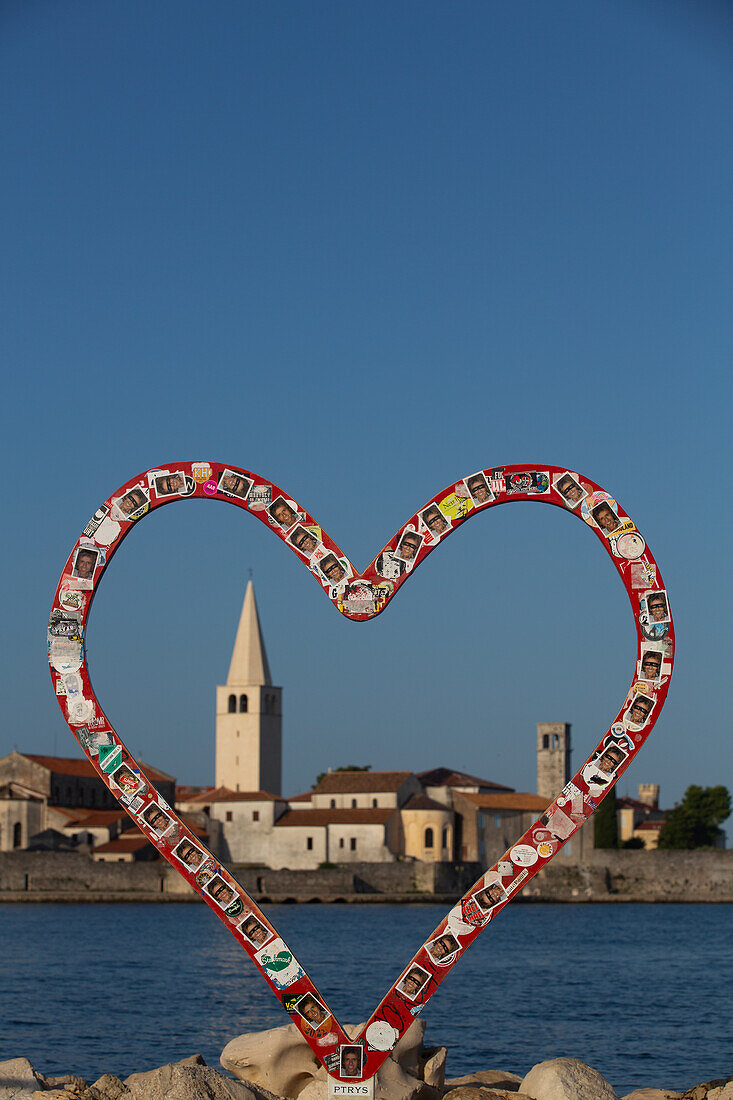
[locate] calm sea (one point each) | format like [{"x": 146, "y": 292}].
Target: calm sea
[{"x": 644, "y": 993}]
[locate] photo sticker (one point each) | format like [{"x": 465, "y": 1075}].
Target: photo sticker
[
  {"x": 409, "y": 546},
  {"x": 657, "y": 607},
  {"x": 170, "y": 484},
  {"x": 650, "y": 665},
  {"x": 490, "y": 896},
  {"x": 304, "y": 540},
  {"x": 478, "y": 488},
  {"x": 332, "y": 568},
  {"x": 413, "y": 982},
  {"x": 132, "y": 505},
  {"x": 85, "y": 562},
  {"x": 350, "y": 1060},
  {"x": 312, "y": 1011},
  {"x": 638, "y": 713},
  {"x": 601, "y": 770},
  {"x": 434, "y": 520},
  {"x": 191, "y": 856},
  {"x": 255, "y": 931},
  {"x": 220, "y": 891},
  {"x": 605, "y": 517},
  {"x": 282, "y": 513},
  {"x": 442, "y": 950},
  {"x": 569, "y": 489},
  {"x": 157, "y": 819},
  {"x": 232, "y": 484}
]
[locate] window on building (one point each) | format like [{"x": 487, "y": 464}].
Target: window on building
[
  {"x": 309, "y": 843},
  {"x": 229, "y": 815},
  {"x": 429, "y": 838},
  {"x": 374, "y": 803},
  {"x": 352, "y": 843},
  {"x": 232, "y": 704},
  {"x": 243, "y": 704},
  {"x": 333, "y": 803},
  {"x": 497, "y": 820},
  {"x": 341, "y": 842},
  {"x": 545, "y": 740},
  {"x": 445, "y": 838},
  {"x": 555, "y": 740},
  {"x": 17, "y": 834},
  {"x": 237, "y": 786},
  {"x": 353, "y": 803},
  {"x": 255, "y": 815}
]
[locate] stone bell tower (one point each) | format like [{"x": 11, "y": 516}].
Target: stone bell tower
[
  {"x": 553, "y": 757},
  {"x": 249, "y": 713}
]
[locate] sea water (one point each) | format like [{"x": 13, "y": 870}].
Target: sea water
[{"x": 643, "y": 993}]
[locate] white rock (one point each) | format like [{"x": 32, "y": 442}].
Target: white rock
[
  {"x": 566, "y": 1079},
  {"x": 18, "y": 1079},
  {"x": 721, "y": 1092},
  {"x": 281, "y": 1060},
  {"x": 191, "y": 1080},
  {"x": 652, "y": 1094}
]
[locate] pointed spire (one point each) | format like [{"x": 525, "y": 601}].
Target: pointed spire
[{"x": 249, "y": 659}]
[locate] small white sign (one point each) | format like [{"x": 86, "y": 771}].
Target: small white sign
[{"x": 351, "y": 1088}]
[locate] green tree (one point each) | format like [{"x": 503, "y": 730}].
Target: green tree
[
  {"x": 605, "y": 823},
  {"x": 695, "y": 821},
  {"x": 345, "y": 768}
]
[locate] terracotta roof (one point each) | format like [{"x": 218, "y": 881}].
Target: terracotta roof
[
  {"x": 68, "y": 765},
  {"x": 650, "y": 825},
  {"x": 633, "y": 804},
  {"x": 422, "y": 802},
  {"x": 516, "y": 800},
  {"x": 335, "y": 817},
  {"x": 446, "y": 777},
  {"x": 125, "y": 843},
  {"x": 226, "y": 794},
  {"x": 95, "y": 819},
  {"x": 361, "y": 782},
  {"x": 301, "y": 797}
]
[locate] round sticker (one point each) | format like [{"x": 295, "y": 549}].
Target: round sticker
[
  {"x": 523, "y": 855},
  {"x": 630, "y": 545}
]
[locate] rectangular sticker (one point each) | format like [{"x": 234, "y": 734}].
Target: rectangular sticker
[{"x": 351, "y": 1088}]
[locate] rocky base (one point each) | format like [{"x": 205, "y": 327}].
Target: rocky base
[{"x": 278, "y": 1060}]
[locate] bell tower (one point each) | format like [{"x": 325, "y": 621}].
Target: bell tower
[
  {"x": 553, "y": 757},
  {"x": 249, "y": 713}
]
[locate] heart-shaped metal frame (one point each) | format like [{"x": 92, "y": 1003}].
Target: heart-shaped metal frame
[{"x": 359, "y": 596}]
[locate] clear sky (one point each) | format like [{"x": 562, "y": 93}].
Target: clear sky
[{"x": 364, "y": 250}]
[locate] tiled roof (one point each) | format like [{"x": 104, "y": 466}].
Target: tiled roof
[
  {"x": 422, "y": 802},
  {"x": 446, "y": 777},
  {"x": 124, "y": 843},
  {"x": 225, "y": 794},
  {"x": 335, "y": 817},
  {"x": 361, "y": 782},
  {"x": 650, "y": 825},
  {"x": 306, "y": 797},
  {"x": 95, "y": 819},
  {"x": 68, "y": 765},
  {"x": 633, "y": 804},
  {"x": 516, "y": 800}
]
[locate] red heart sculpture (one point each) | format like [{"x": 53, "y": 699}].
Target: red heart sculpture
[{"x": 360, "y": 596}]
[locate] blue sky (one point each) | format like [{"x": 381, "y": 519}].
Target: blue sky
[{"x": 365, "y": 250}]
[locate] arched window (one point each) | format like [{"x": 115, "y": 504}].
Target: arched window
[
  {"x": 353, "y": 803},
  {"x": 428, "y": 838},
  {"x": 375, "y": 803},
  {"x": 545, "y": 740},
  {"x": 555, "y": 740},
  {"x": 232, "y": 704},
  {"x": 333, "y": 803},
  {"x": 445, "y": 837},
  {"x": 17, "y": 835},
  {"x": 243, "y": 704}
]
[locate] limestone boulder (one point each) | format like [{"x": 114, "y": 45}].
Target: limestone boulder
[
  {"x": 566, "y": 1079},
  {"x": 652, "y": 1094},
  {"x": 483, "y": 1092},
  {"x": 18, "y": 1079},
  {"x": 280, "y": 1060},
  {"x": 108, "y": 1087},
  {"x": 711, "y": 1090},
  {"x": 191, "y": 1079},
  {"x": 492, "y": 1078}
]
